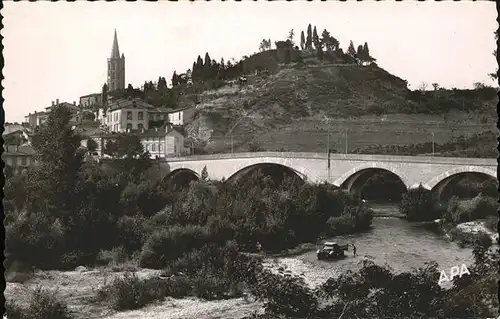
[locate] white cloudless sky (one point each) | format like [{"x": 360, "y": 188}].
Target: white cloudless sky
[{"x": 60, "y": 50}]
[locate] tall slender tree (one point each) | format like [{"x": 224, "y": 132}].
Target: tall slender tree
[
  {"x": 316, "y": 38},
  {"x": 309, "y": 37},
  {"x": 302, "y": 40},
  {"x": 291, "y": 34},
  {"x": 351, "y": 50},
  {"x": 104, "y": 96}
]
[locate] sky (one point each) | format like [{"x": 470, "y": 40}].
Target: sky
[{"x": 60, "y": 50}]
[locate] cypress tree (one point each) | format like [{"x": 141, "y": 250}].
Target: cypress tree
[
  {"x": 315, "y": 38},
  {"x": 302, "y": 40},
  {"x": 309, "y": 37}
]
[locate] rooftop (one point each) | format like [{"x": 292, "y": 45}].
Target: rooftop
[
  {"x": 89, "y": 95},
  {"x": 12, "y": 150},
  {"x": 129, "y": 103}
]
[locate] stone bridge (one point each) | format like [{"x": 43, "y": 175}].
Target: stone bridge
[{"x": 346, "y": 170}]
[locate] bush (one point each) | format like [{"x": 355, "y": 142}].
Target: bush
[
  {"x": 129, "y": 292},
  {"x": 114, "y": 256},
  {"x": 340, "y": 225},
  {"x": 42, "y": 304},
  {"x": 419, "y": 205},
  {"x": 465, "y": 239},
  {"x": 35, "y": 241},
  {"x": 460, "y": 211},
  {"x": 491, "y": 223},
  {"x": 171, "y": 243},
  {"x": 131, "y": 232},
  {"x": 353, "y": 219}
]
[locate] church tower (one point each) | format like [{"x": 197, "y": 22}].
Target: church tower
[{"x": 116, "y": 68}]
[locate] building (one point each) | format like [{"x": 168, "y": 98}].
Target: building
[
  {"x": 13, "y": 127},
  {"x": 159, "y": 114},
  {"x": 127, "y": 114},
  {"x": 89, "y": 101},
  {"x": 176, "y": 117},
  {"x": 19, "y": 157},
  {"x": 99, "y": 136},
  {"x": 162, "y": 142},
  {"x": 72, "y": 107},
  {"x": 21, "y": 136},
  {"x": 36, "y": 119},
  {"x": 116, "y": 68}
]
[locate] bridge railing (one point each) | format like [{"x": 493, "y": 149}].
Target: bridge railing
[{"x": 353, "y": 157}]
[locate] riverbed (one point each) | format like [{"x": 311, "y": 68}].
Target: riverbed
[{"x": 392, "y": 241}]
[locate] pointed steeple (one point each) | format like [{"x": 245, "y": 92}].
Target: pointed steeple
[{"x": 115, "y": 51}]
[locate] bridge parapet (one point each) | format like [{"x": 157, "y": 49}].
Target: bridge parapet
[{"x": 347, "y": 157}]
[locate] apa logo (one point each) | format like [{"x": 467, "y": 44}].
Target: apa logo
[{"x": 454, "y": 271}]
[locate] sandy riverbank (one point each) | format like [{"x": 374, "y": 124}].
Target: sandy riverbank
[{"x": 77, "y": 288}]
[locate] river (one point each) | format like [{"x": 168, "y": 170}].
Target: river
[{"x": 392, "y": 241}]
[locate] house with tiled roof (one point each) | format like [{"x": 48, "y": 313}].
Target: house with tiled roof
[
  {"x": 127, "y": 114},
  {"x": 162, "y": 142},
  {"x": 19, "y": 157}
]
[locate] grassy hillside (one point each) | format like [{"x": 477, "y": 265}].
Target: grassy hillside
[{"x": 286, "y": 108}]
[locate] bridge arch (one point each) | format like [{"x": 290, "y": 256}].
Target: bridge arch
[
  {"x": 245, "y": 170},
  {"x": 302, "y": 172},
  {"x": 458, "y": 170},
  {"x": 180, "y": 177},
  {"x": 353, "y": 174}
]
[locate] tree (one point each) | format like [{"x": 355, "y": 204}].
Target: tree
[
  {"x": 199, "y": 64},
  {"x": 129, "y": 149},
  {"x": 319, "y": 52},
  {"x": 366, "y": 53},
  {"x": 494, "y": 75},
  {"x": 50, "y": 186},
  {"x": 204, "y": 173},
  {"x": 302, "y": 40},
  {"x": 264, "y": 45},
  {"x": 316, "y": 38},
  {"x": 422, "y": 87},
  {"x": 290, "y": 37},
  {"x": 360, "y": 54},
  {"x": 175, "y": 79},
  {"x": 351, "y": 50},
  {"x": 91, "y": 145},
  {"x": 435, "y": 86},
  {"x": 309, "y": 37},
  {"x": 104, "y": 95},
  {"x": 207, "y": 66}
]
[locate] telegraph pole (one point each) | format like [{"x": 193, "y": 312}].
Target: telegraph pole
[
  {"x": 346, "y": 141},
  {"x": 328, "y": 148},
  {"x": 432, "y": 143}
]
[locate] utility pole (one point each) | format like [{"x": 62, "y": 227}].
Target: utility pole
[
  {"x": 346, "y": 141},
  {"x": 465, "y": 143},
  {"x": 328, "y": 147},
  {"x": 432, "y": 143}
]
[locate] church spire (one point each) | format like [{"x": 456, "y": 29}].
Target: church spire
[{"x": 115, "y": 51}]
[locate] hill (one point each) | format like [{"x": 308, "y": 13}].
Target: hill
[{"x": 286, "y": 109}]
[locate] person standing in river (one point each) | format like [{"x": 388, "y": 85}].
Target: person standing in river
[{"x": 353, "y": 249}]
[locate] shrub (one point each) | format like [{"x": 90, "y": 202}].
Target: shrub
[
  {"x": 114, "y": 256},
  {"x": 419, "y": 205},
  {"x": 353, "y": 219},
  {"x": 341, "y": 225},
  {"x": 42, "y": 304},
  {"x": 35, "y": 241},
  {"x": 491, "y": 223},
  {"x": 170, "y": 243},
  {"x": 131, "y": 232},
  {"x": 460, "y": 211},
  {"x": 129, "y": 292}
]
